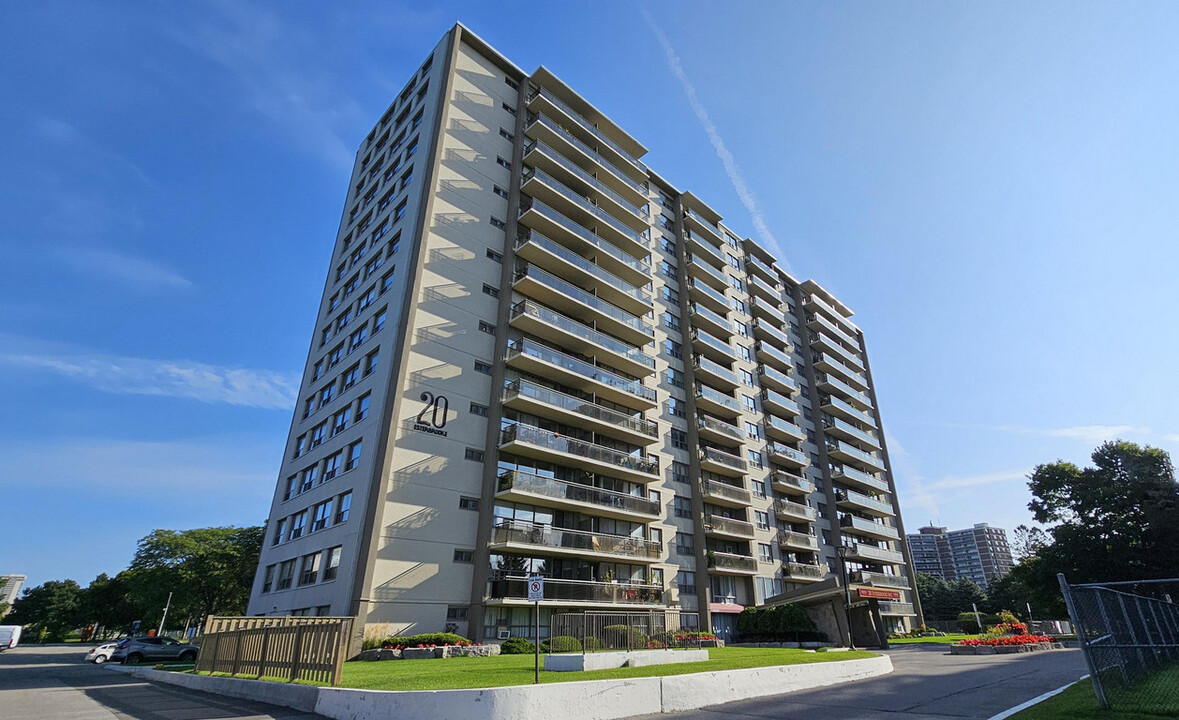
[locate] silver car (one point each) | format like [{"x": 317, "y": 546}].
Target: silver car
[
  {"x": 132, "y": 651},
  {"x": 102, "y": 653}
]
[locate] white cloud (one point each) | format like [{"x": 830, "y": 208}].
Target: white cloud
[
  {"x": 1091, "y": 434},
  {"x": 143, "y": 273},
  {"x": 718, "y": 144},
  {"x": 169, "y": 378},
  {"x": 1171, "y": 437},
  {"x": 954, "y": 482}
]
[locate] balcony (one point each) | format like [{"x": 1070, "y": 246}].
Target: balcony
[
  {"x": 776, "y": 402},
  {"x": 550, "y": 540},
  {"x": 543, "y": 99},
  {"x": 725, "y": 495},
  {"x": 789, "y": 484},
  {"x": 514, "y": 591},
  {"x": 803, "y": 572},
  {"x": 700, "y": 269},
  {"x": 754, "y": 265},
  {"x": 852, "y": 500},
  {"x": 786, "y": 455},
  {"x": 841, "y": 408},
  {"x": 694, "y": 219},
  {"x": 544, "y": 187},
  {"x": 846, "y": 431},
  {"x": 576, "y": 302},
  {"x": 731, "y": 564},
  {"x": 794, "y": 512},
  {"x": 712, "y": 322},
  {"x": 568, "y": 333},
  {"x": 705, "y": 295},
  {"x": 780, "y": 429},
  {"x": 718, "y": 430},
  {"x": 818, "y": 322},
  {"x": 848, "y": 357},
  {"x": 715, "y": 373},
  {"x": 722, "y": 463},
  {"x": 717, "y": 402},
  {"x": 727, "y": 527},
  {"x": 543, "y": 157},
  {"x": 867, "y": 528},
  {"x": 875, "y": 555},
  {"x": 531, "y": 441},
  {"x": 767, "y": 310},
  {"x": 866, "y": 577},
  {"x": 769, "y": 376},
  {"x": 844, "y": 452},
  {"x": 814, "y": 303},
  {"x": 545, "y": 219},
  {"x": 887, "y": 607},
  {"x": 555, "y": 257},
  {"x": 704, "y": 249},
  {"x": 535, "y": 399},
  {"x": 770, "y": 293},
  {"x": 831, "y": 364},
  {"x": 857, "y": 478},
  {"x": 763, "y": 330},
  {"x": 531, "y": 356},
  {"x": 549, "y": 131},
  {"x": 770, "y": 355},
  {"x": 798, "y": 542},
  {"x": 543, "y": 491},
  {"x": 716, "y": 349},
  {"x": 831, "y": 384}
]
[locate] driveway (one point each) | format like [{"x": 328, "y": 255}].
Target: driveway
[
  {"x": 37, "y": 683},
  {"x": 927, "y": 683}
]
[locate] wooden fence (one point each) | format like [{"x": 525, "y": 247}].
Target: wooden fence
[{"x": 290, "y": 648}]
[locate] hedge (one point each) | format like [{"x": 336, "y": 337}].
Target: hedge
[
  {"x": 561, "y": 644},
  {"x": 517, "y": 646},
  {"x": 426, "y": 639},
  {"x": 780, "y": 623}
]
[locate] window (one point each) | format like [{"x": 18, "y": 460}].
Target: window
[
  {"x": 326, "y": 394},
  {"x": 308, "y": 478},
  {"x": 332, "y": 566},
  {"x": 323, "y": 610},
  {"x": 468, "y": 503},
  {"x": 280, "y": 531},
  {"x": 676, "y": 407},
  {"x": 286, "y": 574},
  {"x": 411, "y": 148},
  {"x": 670, "y": 295},
  {"x": 483, "y": 367},
  {"x": 668, "y": 269},
  {"x": 666, "y": 222},
  {"x": 350, "y": 286},
  {"x": 503, "y": 163},
  {"x": 309, "y": 572},
  {"x": 386, "y": 283},
  {"x": 300, "y": 446},
  {"x": 755, "y": 459},
  {"x": 335, "y": 356},
  {"x": 668, "y": 245},
  {"x": 496, "y": 222},
  {"x": 464, "y": 556},
  {"x": 456, "y": 612},
  {"x": 679, "y": 472},
  {"x": 357, "y": 339},
  {"x": 317, "y": 435},
  {"x": 733, "y": 262},
  {"x": 681, "y": 506},
  {"x": 671, "y": 320},
  {"x": 372, "y": 361},
  {"x": 298, "y": 525},
  {"x": 759, "y": 488},
  {"x": 512, "y": 83},
  {"x": 489, "y": 290},
  {"x": 417, "y": 120},
  {"x": 742, "y": 329},
  {"x": 743, "y": 352},
  {"x": 473, "y": 454},
  {"x": 500, "y": 191},
  {"x": 679, "y": 439},
  {"x": 343, "y": 507},
  {"x": 268, "y": 580},
  {"x": 350, "y": 376},
  {"x": 477, "y": 409},
  {"x": 685, "y": 580},
  {"x": 320, "y": 515},
  {"x": 486, "y": 327},
  {"x": 747, "y": 378},
  {"x": 674, "y": 377},
  {"x": 684, "y": 545},
  {"x": 493, "y": 255},
  {"x": 761, "y": 519},
  {"x": 506, "y": 135},
  {"x": 379, "y": 321},
  {"x": 341, "y": 420},
  {"x": 739, "y": 306},
  {"x": 765, "y": 553},
  {"x": 353, "y": 455},
  {"x": 750, "y": 403},
  {"x": 752, "y": 431},
  {"x": 400, "y": 211},
  {"x": 331, "y": 466},
  {"x": 292, "y": 487},
  {"x": 508, "y": 108}
]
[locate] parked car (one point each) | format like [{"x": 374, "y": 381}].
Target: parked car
[
  {"x": 102, "y": 653},
  {"x": 9, "y": 636},
  {"x": 132, "y": 651}
]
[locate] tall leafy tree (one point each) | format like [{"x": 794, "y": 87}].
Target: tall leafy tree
[{"x": 49, "y": 610}]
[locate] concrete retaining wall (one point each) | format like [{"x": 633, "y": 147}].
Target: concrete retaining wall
[
  {"x": 570, "y": 662},
  {"x": 299, "y": 697}
]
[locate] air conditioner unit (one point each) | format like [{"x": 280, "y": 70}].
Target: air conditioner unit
[{"x": 504, "y": 634}]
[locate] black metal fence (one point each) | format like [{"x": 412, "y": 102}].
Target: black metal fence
[
  {"x": 1129, "y": 632},
  {"x": 598, "y": 631}
]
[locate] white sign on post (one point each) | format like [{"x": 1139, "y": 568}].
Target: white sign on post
[{"x": 535, "y": 588}]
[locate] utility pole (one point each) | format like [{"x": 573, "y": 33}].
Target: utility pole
[{"x": 161, "y": 630}]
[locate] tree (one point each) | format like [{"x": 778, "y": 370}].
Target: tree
[
  {"x": 107, "y": 604},
  {"x": 49, "y": 610},
  {"x": 944, "y": 600},
  {"x": 1028, "y": 541}
]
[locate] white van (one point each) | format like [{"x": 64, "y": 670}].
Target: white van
[{"x": 9, "y": 636}]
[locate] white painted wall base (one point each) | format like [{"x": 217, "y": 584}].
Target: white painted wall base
[{"x": 570, "y": 662}]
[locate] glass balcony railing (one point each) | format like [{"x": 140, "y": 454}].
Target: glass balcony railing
[
  {"x": 785, "y": 426},
  {"x": 844, "y": 389},
  {"x": 714, "y": 489},
  {"x": 589, "y": 300},
  {"x": 798, "y": 540},
  {"x": 719, "y": 398},
  {"x": 587, "y": 126},
  {"x": 813, "y": 319},
  {"x": 585, "y": 332},
  {"x": 703, "y": 289},
  {"x": 773, "y": 375},
  {"x": 548, "y": 536},
  {"x": 794, "y": 510},
  {"x": 779, "y": 449},
  {"x": 877, "y": 554},
  {"x": 702, "y": 336},
  {"x": 792, "y": 482},
  {"x": 868, "y": 527},
  {"x": 858, "y": 455},
  {"x": 767, "y": 309},
  {"x": 863, "y": 501},
  {"x": 579, "y": 591},
  {"x": 731, "y": 561},
  {"x": 773, "y": 291},
  {"x": 846, "y": 427},
  {"x": 840, "y": 471},
  {"x": 830, "y": 362},
  {"x": 845, "y": 408},
  {"x": 703, "y": 363},
  {"x": 769, "y": 398},
  {"x": 574, "y": 492},
  {"x": 703, "y": 269},
  {"x": 752, "y": 261},
  {"x": 714, "y": 318},
  {"x": 539, "y": 437},
  {"x": 583, "y": 147},
  {"x": 768, "y": 352},
  {"x": 705, "y": 247},
  {"x": 866, "y": 577},
  {"x": 727, "y": 526},
  {"x": 585, "y": 204},
  {"x": 585, "y": 177},
  {"x": 708, "y": 227},
  {"x": 579, "y": 367},
  {"x": 585, "y": 234},
  {"x": 816, "y": 302},
  {"x": 710, "y": 423},
  {"x": 762, "y": 327},
  {"x": 578, "y": 406},
  {"x": 804, "y": 571},
  {"x": 722, "y": 458},
  {"x": 598, "y": 273}
]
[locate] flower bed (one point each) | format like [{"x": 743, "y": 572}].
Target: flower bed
[{"x": 1006, "y": 640}]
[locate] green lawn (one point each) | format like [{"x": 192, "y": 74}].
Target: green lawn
[
  {"x": 949, "y": 638},
  {"x": 459, "y": 673},
  {"x": 1157, "y": 698}
]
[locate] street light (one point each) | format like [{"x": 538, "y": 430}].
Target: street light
[{"x": 842, "y": 552}]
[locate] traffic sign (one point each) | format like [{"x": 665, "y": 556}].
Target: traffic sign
[{"x": 535, "y": 588}]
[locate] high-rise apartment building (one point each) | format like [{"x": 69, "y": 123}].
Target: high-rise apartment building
[
  {"x": 536, "y": 355},
  {"x": 10, "y": 588},
  {"x": 980, "y": 553}
]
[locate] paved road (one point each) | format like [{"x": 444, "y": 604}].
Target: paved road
[
  {"x": 927, "y": 683},
  {"x": 41, "y": 683}
]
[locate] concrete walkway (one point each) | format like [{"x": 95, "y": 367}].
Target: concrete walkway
[
  {"x": 37, "y": 683},
  {"x": 926, "y": 684}
]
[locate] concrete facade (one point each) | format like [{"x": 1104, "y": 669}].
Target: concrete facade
[{"x": 536, "y": 355}]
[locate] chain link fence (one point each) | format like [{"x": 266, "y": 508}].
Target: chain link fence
[
  {"x": 599, "y": 631},
  {"x": 1129, "y": 632}
]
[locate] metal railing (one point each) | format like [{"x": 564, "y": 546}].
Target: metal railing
[
  {"x": 583, "y": 331},
  {"x": 731, "y": 561},
  {"x": 579, "y": 406},
  {"x": 590, "y": 300},
  {"x": 597, "y": 271},
  {"x": 589, "y": 236},
  {"x": 526, "y": 533},
  {"x": 566, "y": 490},
  {"x": 533, "y": 349},
  {"x": 722, "y": 458},
  {"x": 594, "y": 631},
  {"x": 569, "y": 166},
  {"x": 591, "y": 451},
  {"x": 587, "y": 591}
]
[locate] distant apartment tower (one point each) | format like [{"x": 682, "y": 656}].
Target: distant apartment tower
[
  {"x": 980, "y": 553},
  {"x": 536, "y": 355},
  {"x": 10, "y": 588}
]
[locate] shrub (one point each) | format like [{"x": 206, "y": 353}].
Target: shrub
[
  {"x": 517, "y": 646},
  {"x": 591, "y": 644},
  {"x": 424, "y": 639},
  {"x": 561, "y": 644},
  {"x": 615, "y": 637},
  {"x": 780, "y": 623}
]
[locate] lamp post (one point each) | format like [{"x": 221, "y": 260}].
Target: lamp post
[{"x": 842, "y": 552}]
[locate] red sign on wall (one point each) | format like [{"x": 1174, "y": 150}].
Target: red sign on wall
[{"x": 879, "y": 594}]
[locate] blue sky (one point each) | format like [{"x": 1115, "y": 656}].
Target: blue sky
[{"x": 990, "y": 186}]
